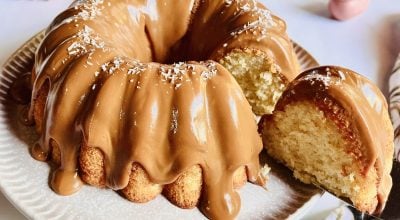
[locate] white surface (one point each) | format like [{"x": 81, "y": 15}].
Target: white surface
[{"x": 365, "y": 44}]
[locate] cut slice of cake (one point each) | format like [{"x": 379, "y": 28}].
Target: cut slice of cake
[
  {"x": 260, "y": 77},
  {"x": 331, "y": 127}
]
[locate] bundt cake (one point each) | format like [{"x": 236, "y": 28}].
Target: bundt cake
[
  {"x": 118, "y": 102},
  {"x": 331, "y": 127}
]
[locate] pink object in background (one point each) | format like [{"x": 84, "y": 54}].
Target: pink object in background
[{"x": 346, "y": 9}]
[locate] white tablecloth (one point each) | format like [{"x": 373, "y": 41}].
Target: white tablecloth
[{"x": 365, "y": 44}]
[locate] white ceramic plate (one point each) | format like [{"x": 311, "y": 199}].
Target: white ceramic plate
[{"x": 24, "y": 181}]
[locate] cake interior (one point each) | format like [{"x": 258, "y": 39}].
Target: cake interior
[
  {"x": 258, "y": 76},
  {"x": 312, "y": 145}
]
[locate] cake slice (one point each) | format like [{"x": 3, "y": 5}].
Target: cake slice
[
  {"x": 331, "y": 127},
  {"x": 260, "y": 76}
]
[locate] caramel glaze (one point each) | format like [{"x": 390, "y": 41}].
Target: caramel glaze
[
  {"x": 98, "y": 61},
  {"x": 219, "y": 27},
  {"x": 368, "y": 112}
]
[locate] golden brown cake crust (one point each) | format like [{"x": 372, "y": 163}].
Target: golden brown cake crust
[
  {"x": 91, "y": 163},
  {"x": 38, "y": 106},
  {"x": 186, "y": 190},
  {"x": 140, "y": 188}
]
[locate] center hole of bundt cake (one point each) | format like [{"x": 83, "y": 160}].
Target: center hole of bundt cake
[{"x": 179, "y": 52}]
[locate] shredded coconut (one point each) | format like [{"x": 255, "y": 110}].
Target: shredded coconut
[
  {"x": 331, "y": 78},
  {"x": 112, "y": 66},
  {"x": 86, "y": 42},
  {"x": 211, "y": 70},
  {"x": 174, "y": 73},
  {"x": 88, "y": 10},
  {"x": 261, "y": 22},
  {"x": 137, "y": 68}
]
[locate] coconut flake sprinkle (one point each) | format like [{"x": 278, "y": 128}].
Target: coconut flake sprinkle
[
  {"x": 211, "y": 70},
  {"x": 174, "y": 73},
  {"x": 112, "y": 66},
  {"x": 88, "y": 10},
  {"x": 87, "y": 42},
  {"x": 137, "y": 67},
  {"x": 261, "y": 18}
]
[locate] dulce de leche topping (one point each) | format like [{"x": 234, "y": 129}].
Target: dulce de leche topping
[
  {"x": 106, "y": 91},
  {"x": 369, "y": 113}
]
